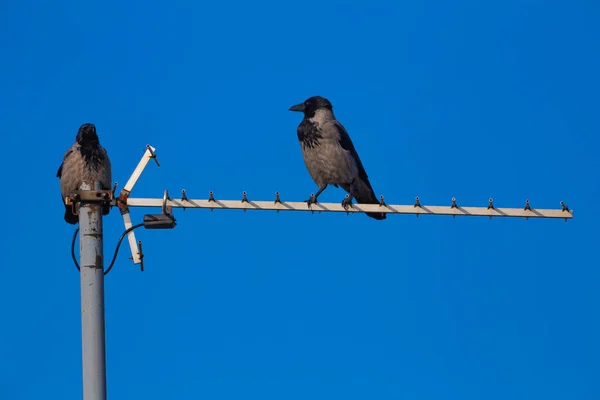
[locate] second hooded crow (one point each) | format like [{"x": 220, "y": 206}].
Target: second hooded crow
[{"x": 85, "y": 161}]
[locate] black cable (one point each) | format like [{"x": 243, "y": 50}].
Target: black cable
[
  {"x": 119, "y": 245},
  {"x": 116, "y": 250},
  {"x": 73, "y": 249}
]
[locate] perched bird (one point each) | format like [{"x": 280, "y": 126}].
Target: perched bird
[
  {"x": 330, "y": 156},
  {"x": 85, "y": 161}
]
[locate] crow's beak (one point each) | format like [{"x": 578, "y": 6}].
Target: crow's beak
[{"x": 297, "y": 107}]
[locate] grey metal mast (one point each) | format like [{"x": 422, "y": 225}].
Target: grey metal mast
[{"x": 92, "y": 297}]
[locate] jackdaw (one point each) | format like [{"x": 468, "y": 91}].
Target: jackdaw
[
  {"x": 329, "y": 154},
  {"x": 85, "y": 161}
]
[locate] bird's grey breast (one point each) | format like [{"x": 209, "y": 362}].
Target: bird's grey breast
[
  {"x": 82, "y": 164},
  {"x": 326, "y": 161}
]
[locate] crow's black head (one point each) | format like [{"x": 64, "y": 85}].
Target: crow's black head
[
  {"x": 87, "y": 135},
  {"x": 311, "y": 105}
]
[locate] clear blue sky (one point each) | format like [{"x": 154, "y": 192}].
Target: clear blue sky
[{"x": 467, "y": 99}]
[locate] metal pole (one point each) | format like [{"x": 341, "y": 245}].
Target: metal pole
[{"x": 92, "y": 297}]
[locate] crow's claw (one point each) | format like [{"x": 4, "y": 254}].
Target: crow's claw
[
  {"x": 311, "y": 200},
  {"x": 347, "y": 202}
]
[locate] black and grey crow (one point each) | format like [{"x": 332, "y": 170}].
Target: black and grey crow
[
  {"x": 330, "y": 156},
  {"x": 85, "y": 161}
]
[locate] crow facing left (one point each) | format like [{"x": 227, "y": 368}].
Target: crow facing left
[
  {"x": 330, "y": 156},
  {"x": 85, "y": 161}
]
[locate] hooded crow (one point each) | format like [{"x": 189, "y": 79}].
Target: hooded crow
[
  {"x": 85, "y": 161},
  {"x": 330, "y": 156}
]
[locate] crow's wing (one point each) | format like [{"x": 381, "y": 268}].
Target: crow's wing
[
  {"x": 59, "y": 172},
  {"x": 346, "y": 143},
  {"x": 106, "y": 170}
]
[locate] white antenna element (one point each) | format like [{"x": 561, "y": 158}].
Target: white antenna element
[
  {"x": 356, "y": 208},
  {"x": 166, "y": 203},
  {"x": 122, "y": 201}
]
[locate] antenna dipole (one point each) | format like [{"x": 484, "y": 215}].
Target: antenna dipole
[
  {"x": 166, "y": 203},
  {"x": 416, "y": 209}
]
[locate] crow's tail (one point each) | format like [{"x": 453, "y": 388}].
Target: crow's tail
[
  {"x": 74, "y": 219},
  {"x": 363, "y": 193},
  {"x": 69, "y": 216}
]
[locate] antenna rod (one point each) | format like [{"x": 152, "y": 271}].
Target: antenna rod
[
  {"x": 418, "y": 208},
  {"x": 91, "y": 260}
]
